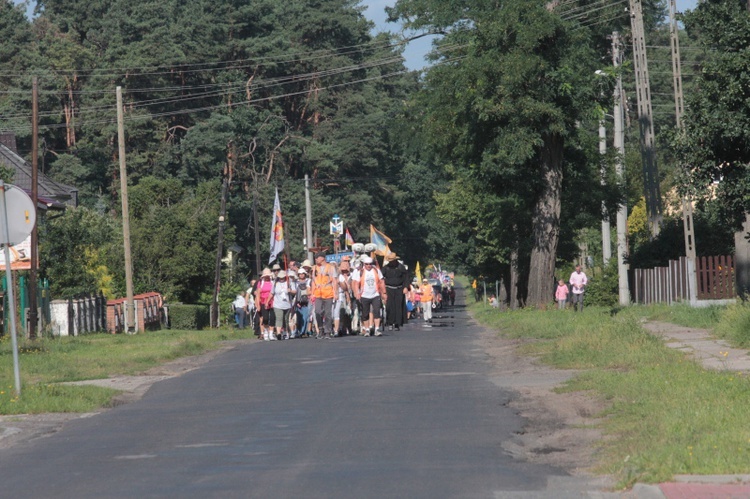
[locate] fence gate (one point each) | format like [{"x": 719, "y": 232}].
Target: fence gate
[{"x": 716, "y": 278}]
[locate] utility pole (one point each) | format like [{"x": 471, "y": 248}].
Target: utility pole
[
  {"x": 219, "y": 251},
  {"x": 619, "y": 143},
  {"x": 256, "y": 227},
  {"x": 130, "y": 312},
  {"x": 606, "y": 242},
  {"x": 645, "y": 118},
  {"x": 679, "y": 110},
  {"x": 33, "y": 316},
  {"x": 309, "y": 242}
]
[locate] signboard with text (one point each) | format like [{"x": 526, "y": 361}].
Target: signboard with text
[
  {"x": 20, "y": 256},
  {"x": 338, "y": 256}
]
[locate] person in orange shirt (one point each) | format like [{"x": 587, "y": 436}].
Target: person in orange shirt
[
  {"x": 428, "y": 295},
  {"x": 325, "y": 288}
]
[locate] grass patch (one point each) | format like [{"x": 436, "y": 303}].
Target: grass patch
[
  {"x": 45, "y": 363},
  {"x": 734, "y": 325},
  {"x": 683, "y": 315},
  {"x": 667, "y": 415},
  {"x": 41, "y": 398}
]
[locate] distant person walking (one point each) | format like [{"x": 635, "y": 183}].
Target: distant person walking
[
  {"x": 396, "y": 279},
  {"x": 561, "y": 294},
  {"x": 239, "y": 305},
  {"x": 578, "y": 282},
  {"x": 426, "y": 298}
]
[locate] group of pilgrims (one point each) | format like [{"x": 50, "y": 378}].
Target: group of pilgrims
[{"x": 329, "y": 299}]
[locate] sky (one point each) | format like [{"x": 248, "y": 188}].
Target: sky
[{"x": 417, "y": 49}]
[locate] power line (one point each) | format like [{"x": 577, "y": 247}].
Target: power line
[
  {"x": 227, "y": 105},
  {"x": 604, "y": 19},
  {"x": 567, "y": 12},
  {"x": 223, "y": 65},
  {"x": 225, "y": 89},
  {"x": 586, "y": 13},
  {"x": 174, "y": 88}
]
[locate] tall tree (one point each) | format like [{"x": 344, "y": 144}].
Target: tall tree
[
  {"x": 716, "y": 139},
  {"x": 514, "y": 82}
]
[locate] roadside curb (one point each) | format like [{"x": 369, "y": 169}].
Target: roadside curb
[
  {"x": 646, "y": 491},
  {"x": 706, "y": 486}
]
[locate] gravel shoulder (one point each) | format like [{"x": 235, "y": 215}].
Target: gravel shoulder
[{"x": 561, "y": 429}]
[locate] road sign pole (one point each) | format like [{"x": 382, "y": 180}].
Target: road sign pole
[{"x": 5, "y": 237}]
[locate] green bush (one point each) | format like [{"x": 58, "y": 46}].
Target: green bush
[
  {"x": 734, "y": 325},
  {"x": 189, "y": 316},
  {"x": 603, "y": 286}
]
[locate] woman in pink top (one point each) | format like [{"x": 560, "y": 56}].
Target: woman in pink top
[
  {"x": 561, "y": 294},
  {"x": 264, "y": 302}
]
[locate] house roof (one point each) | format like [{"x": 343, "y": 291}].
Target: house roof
[{"x": 54, "y": 193}]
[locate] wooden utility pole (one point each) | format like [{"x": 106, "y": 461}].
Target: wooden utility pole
[
  {"x": 33, "y": 288},
  {"x": 308, "y": 219},
  {"x": 646, "y": 119},
  {"x": 256, "y": 227},
  {"x": 619, "y": 143},
  {"x": 130, "y": 312},
  {"x": 679, "y": 110}
]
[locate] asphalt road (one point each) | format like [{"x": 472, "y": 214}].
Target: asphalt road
[{"x": 411, "y": 414}]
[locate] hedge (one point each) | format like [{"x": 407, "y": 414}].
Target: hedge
[{"x": 194, "y": 317}]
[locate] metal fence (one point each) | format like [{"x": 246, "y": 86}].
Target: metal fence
[{"x": 24, "y": 289}]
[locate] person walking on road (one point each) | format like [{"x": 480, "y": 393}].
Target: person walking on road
[
  {"x": 578, "y": 282},
  {"x": 264, "y": 304},
  {"x": 342, "y": 312},
  {"x": 282, "y": 304},
  {"x": 325, "y": 289},
  {"x": 396, "y": 279},
  {"x": 303, "y": 303},
  {"x": 427, "y": 295},
  {"x": 368, "y": 289}
]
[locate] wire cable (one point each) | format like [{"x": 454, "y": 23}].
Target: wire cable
[
  {"x": 225, "y": 89},
  {"x": 586, "y": 13},
  {"x": 131, "y": 118}
]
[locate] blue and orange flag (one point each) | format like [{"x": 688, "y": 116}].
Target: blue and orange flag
[
  {"x": 380, "y": 240},
  {"x": 277, "y": 230},
  {"x": 348, "y": 239}
]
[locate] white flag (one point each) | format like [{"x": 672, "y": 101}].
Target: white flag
[{"x": 277, "y": 230}]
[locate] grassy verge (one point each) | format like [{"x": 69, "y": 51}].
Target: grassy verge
[
  {"x": 47, "y": 362},
  {"x": 666, "y": 415}
]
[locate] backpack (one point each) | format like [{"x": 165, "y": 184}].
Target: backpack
[{"x": 303, "y": 294}]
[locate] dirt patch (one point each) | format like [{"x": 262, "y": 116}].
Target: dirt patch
[{"x": 561, "y": 429}]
